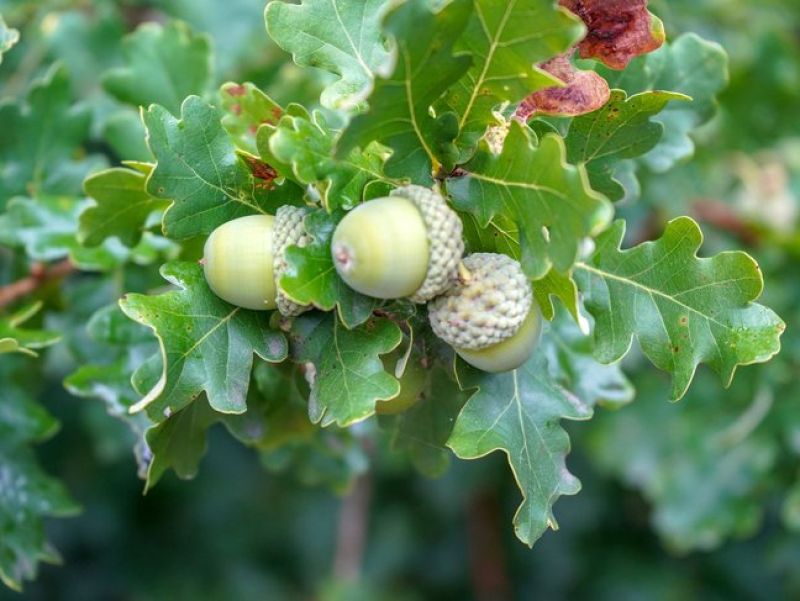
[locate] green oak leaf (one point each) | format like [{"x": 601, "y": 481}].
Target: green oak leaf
[
  {"x": 126, "y": 345},
  {"x": 423, "y": 430},
  {"x": 125, "y": 133},
  {"x": 40, "y": 135},
  {"x": 164, "y": 65},
  {"x": 122, "y": 207},
  {"x": 206, "y": 344},
  {"x": 506, "y": 47},
  {"x": 179, "y": 442},
  {"x": 344, "y": 367},
  {"x": 311, "y": 278},
  {"x": 338, "y": 36},
  {"x": 48, "y": 230},
  {"x": 622, "y": 129},
  {"x": 571, "y": 363},
  {"x": 14, "y": 339},
  {"x": 683, "y": 309},
  {"x": 557, "y": 285},
  {"x": 199, "y": 170},
  {"x": 531, "y": 185},
  {"x": 27, "y": 494},
  {"x": 305, "y": 143},
  {"x": 690, "y": 66},
  {"x": 8, "y": 38},
  {"x": 704, "y": 472},
  {"x": 246, "y": 109},
  {"x": 518, "y": 413},
  {"x": 399, "y": 114}
]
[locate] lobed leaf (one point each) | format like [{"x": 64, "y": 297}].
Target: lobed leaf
[
  {"x": 338, "y": 36},
  {"x": 343, "y": 367},
  {"x": 399, "y": 114},
  {"x": 532, "y": 186},
  {"x": 507, "y": 39},
  {"x": 206, "y": 345},
  {"x": 122, "y": 207},
  {"x": 164, "y": 65},
  {"x": 690, "y": 66},
  {"x": 246, "y": 109},
  {"x": 40, "y": 135},
  {"x": 303, "y": 143},
  {"x": 518, "y": 413},
  {"x": 199, "y": 170},
  {"x": 622, "y": 129},
  {"x": 684, "y": 310}
]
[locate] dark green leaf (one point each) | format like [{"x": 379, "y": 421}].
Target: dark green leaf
[
  {"x": 684, "y": 310},
  {"x": 399, "y": 114},
  {"x": 199, "y": 170},
  {"x": 206, "y": 344},
  {"x": 532, "y": 186},
  {"x": 343, "y": 366},
  {"x": 507, "y": 39},
  {"x": 518, "y": 413},
  {"x": 164, "y": 65},
  {"x": 622, "y": 129},
  {"x": 341, "y": 37},
  {"x": 122, "y": 207}
]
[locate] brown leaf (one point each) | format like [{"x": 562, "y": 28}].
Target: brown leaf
[
  {"x": 583, "y": 92},
  {"x": 618, "y": 30}
]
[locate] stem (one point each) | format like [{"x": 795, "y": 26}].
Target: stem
[
  {"x": 40, "y": 275},
  {"x": 487, "y": 558},
  {"x": 353, "y": 526}
]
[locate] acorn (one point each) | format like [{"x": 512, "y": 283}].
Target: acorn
[
  {"x": 408, "y": 244},
  {"x": 238, "y": 259},
  {"x": 289, "y": 231},
  {"x": 490, "y": 318}
]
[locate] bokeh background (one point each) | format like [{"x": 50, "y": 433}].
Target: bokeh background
[{"x": 694, "y": 500}]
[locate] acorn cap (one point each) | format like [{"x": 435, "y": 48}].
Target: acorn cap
[
  {"x": 488, "y": 308},
  {"x": 444, "y": 232},
  {"x": 289, "y": 231}
]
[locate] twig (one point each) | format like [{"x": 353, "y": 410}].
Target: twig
[
  {"x": 353, "y": 527},
  {"x": 723, "y": 217},
  {"x": 40, "y": 275},
  {"x": 487, "y": 559}
]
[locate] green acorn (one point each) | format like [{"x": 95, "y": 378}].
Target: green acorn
[
  {"x": 490, "y": 318},
  {"x": 408, "y": 244},
  {"x": 237, "y": 262}
]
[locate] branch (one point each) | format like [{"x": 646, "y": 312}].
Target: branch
[
  {"x": 488, "y": 568},
  {"x": 352, "y": 540},
  {"x": 40, "y": 275}
]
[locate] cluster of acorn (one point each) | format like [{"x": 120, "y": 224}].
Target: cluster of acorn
[{"x": 406, "y": 245}]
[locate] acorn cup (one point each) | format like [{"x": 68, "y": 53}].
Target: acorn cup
[
  {"x": 490, "y": 318},
  {"x": 406, "y": 245}
]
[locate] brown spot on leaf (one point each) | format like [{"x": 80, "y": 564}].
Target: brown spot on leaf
[
  {"x": 261, "y": 171},
  {"x": 236, "y": 90},
  {"x": 618, "y": 30},
  {"x": 583, "y": 92},
  {"x": 236, "y": 109}
]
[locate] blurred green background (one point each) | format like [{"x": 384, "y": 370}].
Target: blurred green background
[{"x": 695, "y": 500}]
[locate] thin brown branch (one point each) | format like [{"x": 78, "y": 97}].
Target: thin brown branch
[
  {"x": 353, "y": 528},
  {"x": 723, "y": 217},
  {"x": 489, "y": 571},
  {"x": 39, "y": 276}
]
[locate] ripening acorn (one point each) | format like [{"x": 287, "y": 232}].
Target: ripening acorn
[
  {"x": 244, "y": 259},
  {"x": 490, "y": 319},
  {"x": 237, "y": 261},
  {"x": 408, "y": 244}
]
